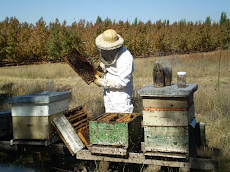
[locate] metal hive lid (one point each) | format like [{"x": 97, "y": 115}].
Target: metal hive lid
[
  {"x": 44, "y": 97},
  {"x": 168, "y": 91}
]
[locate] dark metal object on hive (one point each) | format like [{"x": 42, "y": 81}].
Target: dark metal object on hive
[{"x": 162, "y": 75}]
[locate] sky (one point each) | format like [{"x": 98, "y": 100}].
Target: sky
[{"x": 31, "y": 11}]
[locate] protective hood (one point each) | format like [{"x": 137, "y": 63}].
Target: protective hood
[{"x": 108, "y": 57}]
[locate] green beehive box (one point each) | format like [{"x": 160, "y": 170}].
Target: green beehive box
[
  {"x": 114, "y": 133},
  {"x": 174, "y": 140}
]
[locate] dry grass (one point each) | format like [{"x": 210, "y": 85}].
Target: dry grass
[
  {"x": 15, "y": 81},
  {"x": 211, "y": 100}
]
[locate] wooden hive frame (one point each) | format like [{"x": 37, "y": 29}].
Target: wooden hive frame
[
  {"x": 79, "y": 119},
  {"x": 73, "y": 128},
  {"x": 80, "y": 65}
]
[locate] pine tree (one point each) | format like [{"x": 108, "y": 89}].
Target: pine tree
[
  {"x": 223, "y": 18},
  {"x": 135, "y": 22},
  {"x": 12, "y": 39},
  {"x": 208, "y": 21},
  {"x": 99, "y": 20},
  {"x": 2, "y": 47},
  {"x": 53, "y": 45}
]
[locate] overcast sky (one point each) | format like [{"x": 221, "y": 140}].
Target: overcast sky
[{"x": 74, "y": 10}]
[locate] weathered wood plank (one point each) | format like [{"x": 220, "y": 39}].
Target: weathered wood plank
[
  {"x": 169, "y": 155},
  {"x": 68, "y": 135},
  {"x": 166, "y": 139},
  {"x": 137, "y": 158},
  {"x": 122, "y": 151}
]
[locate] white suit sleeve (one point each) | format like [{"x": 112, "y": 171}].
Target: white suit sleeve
[{"x": 124, "y": 72}]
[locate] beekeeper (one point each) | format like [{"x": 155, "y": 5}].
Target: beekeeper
[{"x": 117, "y": 63}]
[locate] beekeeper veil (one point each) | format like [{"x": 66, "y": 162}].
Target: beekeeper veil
[{"x": 108, "y": 45}]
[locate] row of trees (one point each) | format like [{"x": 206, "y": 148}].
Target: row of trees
[{"x": 42, "y": 41}]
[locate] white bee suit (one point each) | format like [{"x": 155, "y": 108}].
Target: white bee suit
[{"x": 118, "y": 84}]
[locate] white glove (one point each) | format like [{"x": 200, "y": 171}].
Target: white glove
[
  {"x": 99, "y": 81},
  {"x": 102, "y": 65}
]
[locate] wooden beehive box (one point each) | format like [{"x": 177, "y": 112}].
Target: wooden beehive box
[
  {"x": 115, "y": 133},
  {"x": 167, "y": 111},
  {"x": 5, "y": 124},
  {"x": 32, "y": 114},
  {"x": 73, "y": 128},
  {"x": 167, "y": 114}
]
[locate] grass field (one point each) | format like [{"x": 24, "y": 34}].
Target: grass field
[{"x": 211, "y": 71}]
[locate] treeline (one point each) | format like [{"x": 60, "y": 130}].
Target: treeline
[{"x": 41, "y": 41}]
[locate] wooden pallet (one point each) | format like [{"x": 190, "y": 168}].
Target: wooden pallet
[
  {"x": 108, "y": 150},
  {"x": 140, "y": 158}
]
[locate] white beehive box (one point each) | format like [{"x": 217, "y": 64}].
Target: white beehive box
[{"x": 32, "y": 113}]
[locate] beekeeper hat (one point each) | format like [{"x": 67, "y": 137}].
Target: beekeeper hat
[{"x": 109, "y": 40}]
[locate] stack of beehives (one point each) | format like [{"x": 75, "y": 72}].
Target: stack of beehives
[{"x": 167, "y": 113}]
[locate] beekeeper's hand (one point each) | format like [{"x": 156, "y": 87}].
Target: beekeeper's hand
[
  {"x": 95, "y": 64},
  {"x": 99, "y": 81},
  {"x": 102, "y": 65}
]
